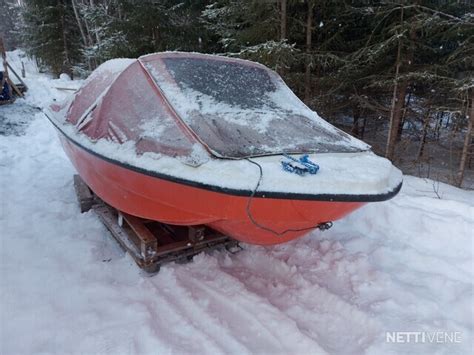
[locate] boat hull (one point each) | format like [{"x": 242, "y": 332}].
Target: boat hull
[{"x": 263, "y": 221}]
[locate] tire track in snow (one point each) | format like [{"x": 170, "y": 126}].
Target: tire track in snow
[
  {"x": 111, "y": 338},
  {"x": 183, "y": 301},
  {"x": 211, "y": 292},
  {"x": 162, "y": 311},
  {"x": 326, "y": 317},
  {"x": 261, "y": 326}
]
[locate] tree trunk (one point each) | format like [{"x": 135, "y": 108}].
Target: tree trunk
[
  {"x": 426, "y": 122},
  {"x": 410, "y": 56},
  {"x": 355, "y": 123},
  {"x": 97, "y": 38},
  {"x": 437, "y": 127},
  {"x": 398, "y": 101},
  {"x": 467, "y": 141},
  {"x": 67, "y": 60},
  {"x": 283, "y": 20},
  {"x": 79, "y": 23},
  {"x": 91, "y": 41},
  {"x": 81, "y": 30},
  {"x": 402, "y": 121},
  {"x": 309, "y": 33}
]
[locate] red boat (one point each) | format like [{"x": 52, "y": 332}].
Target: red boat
[{"x": 193, "y": 139}]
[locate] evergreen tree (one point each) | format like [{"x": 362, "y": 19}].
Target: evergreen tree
[
  {"x": 9, "y": 17},
  {"x": 130, "y": 28},
  {"x": 400, "y": 50},
  {"x": 252, "y": 30},
  {"x": 50, "y": 34}
]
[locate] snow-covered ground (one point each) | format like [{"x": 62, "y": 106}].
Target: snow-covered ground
[{"x": 405, "y": 265}]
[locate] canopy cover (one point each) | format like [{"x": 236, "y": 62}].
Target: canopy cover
[{"x": 176, "y": 103}]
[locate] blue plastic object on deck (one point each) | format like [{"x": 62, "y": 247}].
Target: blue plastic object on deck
[{"x": 299, "y": 166}]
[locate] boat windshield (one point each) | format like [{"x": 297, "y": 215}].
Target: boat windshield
[{"x": 240, "y": 109}]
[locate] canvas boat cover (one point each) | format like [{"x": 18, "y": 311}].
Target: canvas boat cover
[{"x": 169, "y": 103}]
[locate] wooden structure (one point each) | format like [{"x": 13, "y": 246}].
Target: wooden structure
[
  {"x": 151, "y": 243},
  {"x": 12, "y": 88}
]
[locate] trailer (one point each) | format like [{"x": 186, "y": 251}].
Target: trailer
[{"x": 151, "y": 243}]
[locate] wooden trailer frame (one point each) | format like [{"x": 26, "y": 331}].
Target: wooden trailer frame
[{"x": 151, "y": 243}]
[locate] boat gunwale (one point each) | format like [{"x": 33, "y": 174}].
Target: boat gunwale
[{"x": 238, "y": 192}]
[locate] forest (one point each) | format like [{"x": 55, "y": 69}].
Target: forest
[{"x": 397, "y": 74}]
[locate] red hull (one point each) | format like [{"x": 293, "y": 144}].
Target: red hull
[{"x": 170, "y": 202}]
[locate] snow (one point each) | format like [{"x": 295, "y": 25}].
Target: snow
[
  {"x": 64, "y": 77},
  {"x": 111, "y": 67},
  {"x": 66, "y": 288},
  {"x": 340, "y": 173},
  {"x": 44, "y": 85}
]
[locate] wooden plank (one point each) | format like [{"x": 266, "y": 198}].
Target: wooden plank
[
  {"x": 21, "y": 87},
  {"x": 172, "y": 247},
  {"x": 196, "y": 234},
  {"x": 124, "y": 235},
  {"x": 163, "y": 234},
  {"x": 14, "y": 72},
  {"x": 15, "y": 88},
  {"x": 187, "y": 244},
  {"x": 66, "y": 89},
  {"x": 163, "y": 237},
  {"x": 109, "y": 218},
  {"x": 148, "y": 243},
  {"x": 83, "y": 193},
  {"x": 5, "y": 102}
]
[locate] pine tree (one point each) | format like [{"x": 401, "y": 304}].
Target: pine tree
[
  {"x": 9, "y": 17},
  {"x": 252, "y": 30},
  {"x": 50, "y": 34},
  {"x": 402, "y": 51},
  {"x": 130, "y": 28}
]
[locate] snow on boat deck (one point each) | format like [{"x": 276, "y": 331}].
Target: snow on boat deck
[
  {"x": 351, "y": 174},
  {"x": 65, "y": 287},
  {"x": 347, "y": 166}
]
